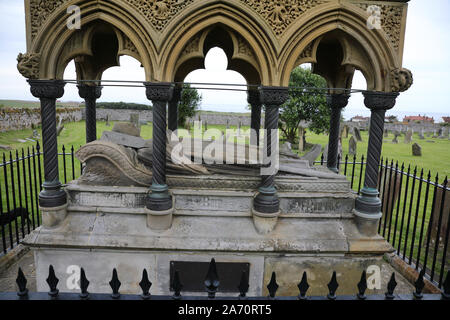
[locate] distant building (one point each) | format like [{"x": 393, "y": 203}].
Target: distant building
[
  {"x": 418, "y": 119},
  {"x": 446, "y": 119},
  {"x": 359, "y": 119}
]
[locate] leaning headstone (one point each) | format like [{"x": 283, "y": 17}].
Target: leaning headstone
[
  {"x": 134, "y": 119},
  {"x": 107, "y": 121},
  {"x": 386, "y": 133},
  {"x": 443, "y": 134},
  {"x": 345, "y": 132},
  {"x": 127, "y": 128},
  {"x": 357, "y": 134},
  {"x": 123, "y": 139},
  {"x": 313, "y": 154},
  {"x": 416, "y": 150},
  {"x": 408, "y": 136},
  {"x": 352, "y": 144},
  {"x": 301, "y": 136}
]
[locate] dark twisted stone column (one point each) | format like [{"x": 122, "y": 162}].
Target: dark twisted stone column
[
  {"x": 253, "y": 98},
  {"x": 160, "y": 94},
  {"x": 336, "y": 102},
  {"x": 173, "y": 108},
  {"x": 368, "y": 204},
  {"x": 48, "y": 91},
  {"x": 90, "y": 94},
  {"x": 267, "y": 200}
]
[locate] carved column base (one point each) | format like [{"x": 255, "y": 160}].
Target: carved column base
[
  {"x": 266, "y": 201},
  {"x": 160, "y": 220},
  {"x": 52, "y": 217},
  {"x": 52, "y": 195},
  {"x": 160, "y": 199},
  {"x": 264, "y": 223},
  {"x": 368, "y": 212}
]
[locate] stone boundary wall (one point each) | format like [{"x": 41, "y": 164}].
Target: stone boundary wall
[
  {"x": 416, "y": 127},
  {"x": 25, "y": 118}
]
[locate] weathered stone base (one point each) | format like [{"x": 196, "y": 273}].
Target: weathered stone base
[{"x": 108, "y": 227}]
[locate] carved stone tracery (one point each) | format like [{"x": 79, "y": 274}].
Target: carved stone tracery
[
  {"x": 391, "y": 21},
  {"x": 281, "y": 14},
  {"x": 159, "y": 12},
  {"x": 40, "y": 11}
]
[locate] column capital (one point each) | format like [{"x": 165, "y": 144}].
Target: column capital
[
  {"x": 159, "y": 91},
  {"x": 375, "y": 100},
  {"x": 51, "y": 89},
  {"x": 89, "y": 92},
  {"x": 273, "y": 95},
  {"x": 253, "y": 97},
  {"x": 338, "y": 100}
]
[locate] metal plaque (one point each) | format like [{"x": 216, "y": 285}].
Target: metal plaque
[{"x": 193, "y": 274}]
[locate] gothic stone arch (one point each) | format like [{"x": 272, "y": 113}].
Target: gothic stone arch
[{"x": 269, "y": 38}]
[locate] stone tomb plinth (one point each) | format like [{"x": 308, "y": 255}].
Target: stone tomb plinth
[{"x": 106, "y": 228}]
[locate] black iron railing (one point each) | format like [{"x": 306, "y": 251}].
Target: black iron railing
[
  {"x": 212, "y": 287},
  {"x": 414, "y": 208}
]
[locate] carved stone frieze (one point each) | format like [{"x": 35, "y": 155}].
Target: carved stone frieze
[
  {"x": 40, "y": 10},
  {"x": 281, "y": 14},
  {"x": 391, "y": 21},
  {"x": 159, "y": 12},
  {"x": 28, "y": 65},
  {"x": 244, "y": 48}
]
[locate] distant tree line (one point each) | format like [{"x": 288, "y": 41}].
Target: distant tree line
[{"x": 123, "y": 105}]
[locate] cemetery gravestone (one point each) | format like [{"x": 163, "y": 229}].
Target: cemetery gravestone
[
  {"x": 352, "y": 144},
  {"x": 416, "y": 150},
  {"x": 357, "y": 134},
  {"x": 408, "y": 136}
]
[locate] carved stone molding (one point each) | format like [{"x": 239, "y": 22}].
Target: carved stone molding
[
  {"x": 244, "y": 48},
  {"x": 401, "y": 80},
  {"x": 380, "y": 100},
  {"x": 273, "y": 95},
  {"x": 28, "y": 65},
  {"x": 40, "y": 11},
  {"x": 50, "y": 89},
  {"x": 129, "y": 45},
  {"x": 391, "y": 21},
  {"x": 192, "y": 45},
  {"x": 159, "y": 91},
  {"x": 281, "y": 14},
  {"x": 159, "y": 12}
]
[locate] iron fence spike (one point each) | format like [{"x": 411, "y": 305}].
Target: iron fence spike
[
  {"x": 332, "y": 287},
  {"x": 273, "y": 286},
  {"x": 446, "y": 287},
  {"x": 362, "y": 286},
  {"x": 145, "y": 285},
  {"x": 419, "y": 285},
  {"x": 212, "y": 280},
  {"x": 52, "y": 282},
  {"x": 22, "y": 284},
  {"x": 84, "y": 284},
  {"x": 303, "y": 286},
  {"x": 243, "y": 285},
  {"x": 115, "y": 285},
  {"x": 177, "y": 285},
  {"x": 391, "y": 287}
]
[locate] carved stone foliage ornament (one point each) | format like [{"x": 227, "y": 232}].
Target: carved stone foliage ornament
[
  {"x": 281, "y": 14},
  {"x": 159, "y": 12},
  {"x": 40, "y": 10},
  {"x": 401, "y": 80},
  {"x": 391, "y": 21},
  {"x": 28, "y": 65}
]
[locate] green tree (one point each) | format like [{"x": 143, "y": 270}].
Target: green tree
[
  {"x": 308, "y": 104},
  {"x": 188, "y": 105}
]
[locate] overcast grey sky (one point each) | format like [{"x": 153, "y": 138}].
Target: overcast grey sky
[{"x": 427, "y": 49}]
